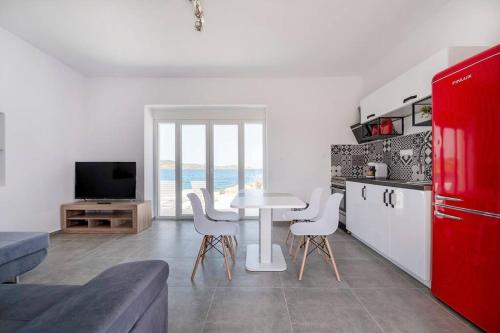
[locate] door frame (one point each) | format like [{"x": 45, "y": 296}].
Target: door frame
[{"x": 209, "y": 123}]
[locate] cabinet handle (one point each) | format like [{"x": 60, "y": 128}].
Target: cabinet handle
[
  {"x": 363, "y": 192},
  {"x": 390, "y": 198},
  {"x": 370, "y": 116},
  {"x": 409, "y": 98},
  {"x": 385, "y": 199},
  {"x": 440, "y": 215}
]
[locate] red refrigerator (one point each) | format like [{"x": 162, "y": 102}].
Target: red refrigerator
[{"x": 466, "y": 182}]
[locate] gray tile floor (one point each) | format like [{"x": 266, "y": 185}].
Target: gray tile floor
[{"x": 374, "y": 295}]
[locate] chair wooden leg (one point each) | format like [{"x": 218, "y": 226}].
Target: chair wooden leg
[
  {"x": 229, "y": 241},
  {"x": 298, "y": 248},
  {"x": 205, "y": 246},
  {"x": 224, "y": 251},
  {"x": 333, "y": 260},
  {"x": 290, "y": 250},
  {"x": 304, "y": 259},
  {"x": 288, "y": 236},
  {"x": 198, "y": 258}
]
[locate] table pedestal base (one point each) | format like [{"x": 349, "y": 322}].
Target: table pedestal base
[{"x": 253, "y": 263}]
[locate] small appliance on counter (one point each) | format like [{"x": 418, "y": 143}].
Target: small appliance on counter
[{"x": 377, "y": 170}]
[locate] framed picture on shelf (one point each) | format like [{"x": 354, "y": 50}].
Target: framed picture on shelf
[{"x": 422, "y": 112}]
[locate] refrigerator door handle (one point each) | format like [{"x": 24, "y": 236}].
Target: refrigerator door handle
[
  {"x": 440, "y": 215},
  {"x": 442, "y": 197}
]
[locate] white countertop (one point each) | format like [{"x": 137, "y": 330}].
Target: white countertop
[{"x": 262, "y": 199}]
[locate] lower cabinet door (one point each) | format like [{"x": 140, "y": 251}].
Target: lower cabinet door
[
  {"x": 355, "y": 208},
  {"x": 410, "y": 231},
  {"x": 377, "y": 219}
]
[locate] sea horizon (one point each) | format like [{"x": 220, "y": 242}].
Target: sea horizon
[{"x": 223, "y": 178}]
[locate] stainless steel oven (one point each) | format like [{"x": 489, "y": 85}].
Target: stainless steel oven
[{"x": 338, "y": 186}]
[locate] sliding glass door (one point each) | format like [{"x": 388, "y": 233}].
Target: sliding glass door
[
  {"x": 194, "y": 162},
  {"x": 166, "y": 170},
  {"x": 226, "y": 171},
  {"x": 221, "y": 156},
  {"x": 253, "y": 160}
]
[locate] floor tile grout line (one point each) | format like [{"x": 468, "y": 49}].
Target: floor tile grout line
[
  {"x": 208, "y": 310},
  {"x": 287, "y": 310},
  {"x": 390, "y": 265},
  {"x": 366, "y": 309},
  {"x": 449, "y": 311},
  {"x": 61, "y": 245},
  {"x": 286, "y": 302}
]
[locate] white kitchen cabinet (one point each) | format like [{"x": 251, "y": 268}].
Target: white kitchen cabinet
[
  {"x": 396, "y": 97},
  {"x": 411, "y": 232},
  {"x": 395, "y": 222},
  {"x": 365, "y": 219},
  {"x": 356, "y": 205}
]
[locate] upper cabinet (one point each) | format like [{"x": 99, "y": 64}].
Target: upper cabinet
[{"x": 396, "y": 97}]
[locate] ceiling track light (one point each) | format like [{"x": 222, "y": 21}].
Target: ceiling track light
[{"x": 198, "y": 14}]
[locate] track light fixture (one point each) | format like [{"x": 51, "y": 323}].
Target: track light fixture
[{"x": 198, "y": 14}]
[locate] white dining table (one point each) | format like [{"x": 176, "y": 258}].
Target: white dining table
[{"x": 265, "y": 256}]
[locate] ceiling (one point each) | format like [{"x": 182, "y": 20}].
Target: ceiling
[{"x": 241, "y": 38}]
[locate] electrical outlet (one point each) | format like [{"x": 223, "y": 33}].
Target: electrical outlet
[{"x": 406, "y": 152}]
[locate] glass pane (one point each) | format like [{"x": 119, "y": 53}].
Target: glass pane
[
  {"x": 166, "y": 191},
  {"x": 225, "y": 165},
  {"x": 194, "y": 165},
  {"x": 254, "y": 160}
]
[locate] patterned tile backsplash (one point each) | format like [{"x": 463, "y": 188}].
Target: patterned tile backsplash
[{"x": 351, "y": 160}]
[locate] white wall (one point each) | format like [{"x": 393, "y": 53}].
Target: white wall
[
  {"x": 43, "y": 102},
  {"x": 53, "y": 114},
  {"x": 458, "y": 23},
  {"x": 305, "y": 116}
]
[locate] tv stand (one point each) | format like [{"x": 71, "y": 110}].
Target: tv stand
[{"x": 93, "y": 217}]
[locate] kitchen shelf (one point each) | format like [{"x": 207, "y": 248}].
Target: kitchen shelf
[
  {"x": 382, "y": 128},
  {"x": 379, "y": 137}
]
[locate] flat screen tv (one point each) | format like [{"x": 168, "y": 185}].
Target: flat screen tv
[{"x": 105, "y": 180}]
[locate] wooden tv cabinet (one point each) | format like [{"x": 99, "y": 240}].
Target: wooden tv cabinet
[{"x": 117, "y": 217}]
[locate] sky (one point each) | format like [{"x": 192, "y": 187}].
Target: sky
[{"x": 225, "y": 144}]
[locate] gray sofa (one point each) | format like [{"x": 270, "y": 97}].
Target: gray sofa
[
  {"x": 130, "y": 297},
  {"x": 20, "y": 252}
]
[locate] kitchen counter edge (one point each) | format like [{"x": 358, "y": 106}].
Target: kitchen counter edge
[{"x": 391, "y": 183}]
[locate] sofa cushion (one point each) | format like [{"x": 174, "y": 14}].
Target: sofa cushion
[
  {"x": 14, "y": 245},
  {"x": 20, "y": 303},
  {"x": 11, "y": 269},
  {"x": 111, "y": 302},
  {"x": 155, "y": 319}
]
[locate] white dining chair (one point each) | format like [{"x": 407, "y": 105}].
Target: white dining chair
[
  {"x": 218, "y": 215},
  {"x": 321, "y": 228},
  {"x": 309, "y": 213},
  {"x": 214, "y": 233}
]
